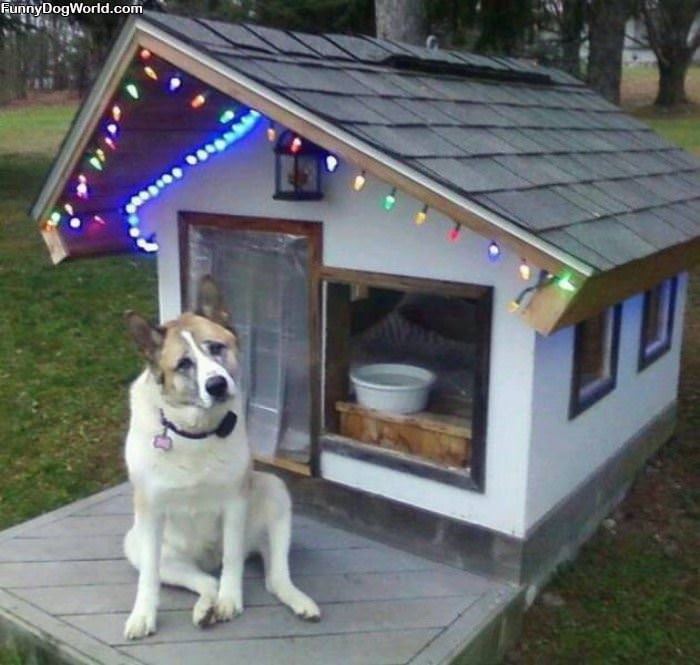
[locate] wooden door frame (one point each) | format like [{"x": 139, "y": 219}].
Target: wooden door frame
[{"x": 313, "y": 231}]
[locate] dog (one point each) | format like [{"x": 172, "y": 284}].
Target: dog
[{"x": 198, "y": 504}]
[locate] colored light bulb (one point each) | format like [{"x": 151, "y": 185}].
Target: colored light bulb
[
  {"x": 116, "y": 113},
  {"x": 565, "y": 283},
  {"x": 453, "y": 235},
  {"x": 174, "y": 83},
  {"x": 100, "y": 154},
  {"x": 525, "y": 272},
  {"x": 145, "y": 54},
  {"x": 295, "y": 145},
  {"x": 227, "y": 116},
  {"x": 191, "y": 160},
  {"x": 271, "y": 132},
  {"x": 198, "y": 101},
  {"x": 112, "y": 145},
  {"x": 68, "y": 208},
  {"x": 153, "y": 190},
  {"x": 513, "y": 306},
  {"x": 112, "y": 128},
  {"x": 421, "y": 215},
  {"x": 132, "y": 90},
  {"x": 81, "y": 190},
  {"x": 494, "y": 251},
  {"x": 167, "y": 179},
  {"x": 55, "y": 217},
  {"x": 176, "y": 172},
  {"x": 96, "y": 163},
  {"x": 359, "y": 181},
  {"x": 331, "y": 163},
  {"x": 75, "y": 223},
  {"x": 130, "y": 208},
  {"x": 134, "y": 232},
  {"x": 220, "y": 144},
  {"x": 390, "y": 200},
  {"x": 151, "y": 73},
  {"x": 202, "y": 154},
  {"x": 98, "y": 220},
  {"x": 133, "y": 220}
]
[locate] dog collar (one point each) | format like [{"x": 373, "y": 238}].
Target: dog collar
[{"x": 222, "y": 430}]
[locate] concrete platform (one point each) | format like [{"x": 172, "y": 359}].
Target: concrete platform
[{"x": 66, "y": 590}]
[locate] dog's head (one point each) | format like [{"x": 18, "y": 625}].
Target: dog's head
[{"x": 193, "y": 357}]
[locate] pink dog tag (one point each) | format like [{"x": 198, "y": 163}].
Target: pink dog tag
[{"x": 162, "y": 441}]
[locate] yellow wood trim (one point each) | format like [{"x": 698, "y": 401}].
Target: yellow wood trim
[
  {"x": 286, "y": 464},
  {"x": 54, "y": 243},
  {"x": 552, "y": 309}
]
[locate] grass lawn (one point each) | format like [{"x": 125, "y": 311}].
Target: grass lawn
[{"x": 632, "y": 595}]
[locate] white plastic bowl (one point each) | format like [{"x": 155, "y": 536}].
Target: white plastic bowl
[{"x": 392, "y": 387}]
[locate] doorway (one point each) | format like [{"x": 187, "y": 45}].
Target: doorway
[{"x": 267, "y": 270}]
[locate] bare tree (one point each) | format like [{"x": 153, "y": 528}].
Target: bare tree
[
  {"x": 669, "y": 26},
  {"x": 402, "y": 20},
  {"x": 606, "y": 21}
]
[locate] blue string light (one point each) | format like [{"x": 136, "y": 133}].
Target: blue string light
[{"x": 232, "y": 135}]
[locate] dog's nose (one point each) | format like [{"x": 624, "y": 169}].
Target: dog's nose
[{"x": 216, "y": 386}]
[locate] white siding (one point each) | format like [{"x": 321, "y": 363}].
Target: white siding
[
  {"x": 563, "y": 452},
  {"x": 359, "y": 234}
]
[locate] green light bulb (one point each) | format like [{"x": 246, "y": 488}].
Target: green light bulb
[
  {"x": 96, "y": 163},
  {"x": 227, "y": 116},
  {"x": 390, "y": 200},
  {"x": 132, "y": 90},
  {"x": 565, "y": 283}
]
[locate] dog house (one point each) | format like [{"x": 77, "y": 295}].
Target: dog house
[{"x": 458, "y": 280}]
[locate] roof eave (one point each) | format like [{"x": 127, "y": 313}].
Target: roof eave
[
  {"x": 81, "y": 130},
  {"x": 552, "y": 309}
]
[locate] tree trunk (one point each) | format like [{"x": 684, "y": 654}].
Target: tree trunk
[
  {"x": 401, "y": 20},
  {"x": 607, "y": 39},
  {"x": 572, "y": 24},
  {"x": 672, "y": 81}
]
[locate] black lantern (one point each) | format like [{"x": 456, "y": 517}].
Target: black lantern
[{"x": 297, "y": 168}]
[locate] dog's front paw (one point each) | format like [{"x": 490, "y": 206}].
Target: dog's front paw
[
  {"x": 140, "y": 623},
  {"x": 304, "y": 607},
  {"x": 204, "y": 612},
  {"x": 227, "y": 607}
]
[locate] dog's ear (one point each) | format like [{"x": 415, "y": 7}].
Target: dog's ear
[
  {"x": 149, "y": 339},
  {"x": 210, "y": 302}
]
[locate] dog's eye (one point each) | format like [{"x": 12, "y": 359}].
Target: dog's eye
[
  {"x": 184, "y": 365},
  {"x": 216, "y": 348}
]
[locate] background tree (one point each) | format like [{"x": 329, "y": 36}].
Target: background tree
[
  {"x": 402, "y": 20},
  {"x": 606, "y": 21},
  {"x": 669, "y": 25},
  {"x": 506, "y": 26}
]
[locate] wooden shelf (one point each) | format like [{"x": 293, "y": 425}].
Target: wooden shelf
[{"x": 440, "y": 438}]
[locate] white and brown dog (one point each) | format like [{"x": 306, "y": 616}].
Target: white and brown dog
[{"x": 198, "y": 505}]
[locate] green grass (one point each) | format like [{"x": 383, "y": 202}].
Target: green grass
[
  {"x": 683, "y": 130},
  {"x": 34, "y": 129},
  {"x": 66, "y": 361}
]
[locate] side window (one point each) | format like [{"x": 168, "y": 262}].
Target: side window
[
  {"x": 596, "y": 343},
  {"x": 657, "y": 322}
]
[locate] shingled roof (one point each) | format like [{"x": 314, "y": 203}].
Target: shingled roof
[{"x": 525, "y": 147}]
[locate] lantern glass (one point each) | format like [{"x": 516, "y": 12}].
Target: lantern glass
[{"x": 297, "y": 174}]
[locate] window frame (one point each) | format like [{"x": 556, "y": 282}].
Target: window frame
[
  {"x": 579, "y": 403},
  {"x": 647, "y": 356},
  {"x": 335, "y": 377}
]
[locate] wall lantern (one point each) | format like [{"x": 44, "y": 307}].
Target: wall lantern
[{"x": 297, "y": 168}]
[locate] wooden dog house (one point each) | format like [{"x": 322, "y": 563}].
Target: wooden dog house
[{"x": 494, "y": 221}]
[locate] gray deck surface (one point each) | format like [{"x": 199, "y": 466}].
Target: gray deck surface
[{"x": 63, "y": 577}]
